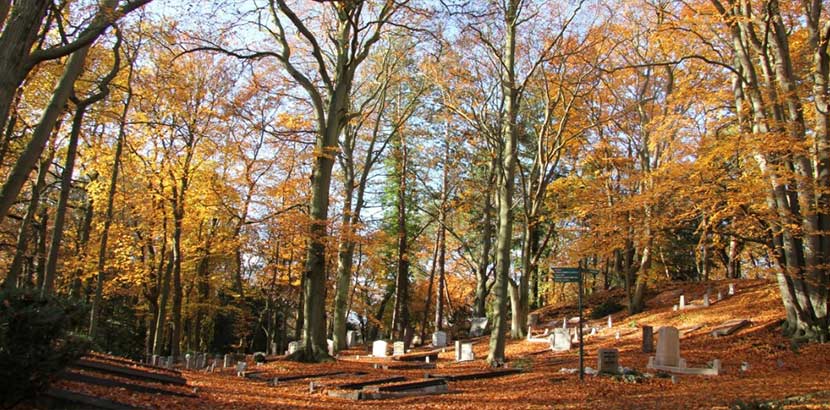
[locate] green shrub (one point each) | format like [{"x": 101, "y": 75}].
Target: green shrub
[
  {"x": 608, "y": 307},
  {"x": 36, "y": 341}
]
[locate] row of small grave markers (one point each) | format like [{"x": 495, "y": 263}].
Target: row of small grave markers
[{"x": 706, "y": 297}]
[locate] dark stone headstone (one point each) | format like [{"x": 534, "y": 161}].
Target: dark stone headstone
[{"x": 648, "y": 339}]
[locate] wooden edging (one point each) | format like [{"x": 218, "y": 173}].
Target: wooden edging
[
  {"x": 475, "y": 376},
  {"x": 86, "y": 379},
  {"x": 129, "y": 373},
  {"x": 64, "y": 399},
  {"x": 128, "y": 362},
  {"x": 360, "y": 385}
]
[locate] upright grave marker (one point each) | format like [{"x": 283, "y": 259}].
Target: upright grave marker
[
  {"x": 648, "y": 339},
  {"x": 608, "y": 361},
  {"x": 379, "y": 348}
]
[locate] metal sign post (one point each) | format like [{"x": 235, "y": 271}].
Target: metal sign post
[
  {"x": 581, "y": 345},
  {"x": 571, "y": 275}
]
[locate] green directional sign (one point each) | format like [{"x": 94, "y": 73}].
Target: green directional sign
[{"x": 566, "y": 275}]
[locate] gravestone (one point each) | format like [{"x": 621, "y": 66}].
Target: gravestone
[
  {"x": 731, "y": 289},
  {"x": 720, "y": 296},
  {"x": 533, "y": 319},
  {"x": 154, "y": 360},
  {"x": 467, "y": 352},
  {"x": 593, "y": 331},
  {"x": 398, "y": 348},
  {"x": 416, "y": 340},
  {"x": 170, "y": 361},
  {"x": 227, "y": 362},
  {"x": 617, "y": 335},
  {"x": 457, "y": 350},
  {"x": 682, "y": 302},
  {"x": 188, "y": 361},
  {"x": 293, "y": 347},
  {"x": 379, "y": 348},
  {"x": 217, "y": 360},
  {"x": 330, "y": 346},
  {"x": 648, "y": 339},
  {"x": 560, "y": 340},
  {"x": 259, "y": 357},
  {"x": 668, "y": 347},
  {"x": 439, "y": 339},
  {"x": 351, "y": 338},
  {"x": 608, "y": 361},
  {"x": 564, "y": 323},
  {"x": 201, "y": 360},
  {"x": 610, "y": 322},
  {"x": 706, "y": 299},
  {"x": 240, "y": 368},
  {"x": 477, "y": 326}
]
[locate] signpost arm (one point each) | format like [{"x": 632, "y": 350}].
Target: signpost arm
[{"x": 579, "y": 330}]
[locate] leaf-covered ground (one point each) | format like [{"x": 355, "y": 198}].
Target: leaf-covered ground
[{"x": 796, "y": 375}]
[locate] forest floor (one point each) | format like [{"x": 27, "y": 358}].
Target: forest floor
[{"x": 798, "y": 377}]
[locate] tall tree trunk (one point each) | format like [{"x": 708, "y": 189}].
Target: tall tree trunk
[
  {"x": 400, "y": 318},
  {"x": 16, "y": 42},
  {"x": 507, "y": 172},
  {"x": 345, "y": 257},
  {"x": 16, "y": 267},
  {"x": 480, "y": 302},
  {"x": 164, "y": 294},
  {"x": 63, "y": 200},
  {"x": 113, "y": 183}
]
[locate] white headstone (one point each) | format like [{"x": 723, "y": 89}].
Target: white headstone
[
  {"x": 379, "y": 348},
  {"x": 560, "y": 340},
  {"x": 457, "y": 350},
  {"x": 227, "y": 361},
  {"x": 293, "y": 347},
  {"x": 398, "y": 348},
  {"x": 467, "y": 352},
  {"x": 439, "y": 339},
  {"x": 682, "y": 302},
  {"x": 351, "y": 338},
  {"x": 617, "y": 335},
  {"x": 240, "y": 368},
  {"x": 731, "y": 289},
  {"x": 720, "y": 296},
  {"x": 478, "y": 326},
  {"x": 610, "y": 322},
  {"x": 668, "y": 347},
  {"x": 564, "y": 323},
  {"x": 593, "y": 331},
  {"x": 188, "y": 361},
  {"x": 416, "y": 340},
  {"x": 330, "y": 346}
]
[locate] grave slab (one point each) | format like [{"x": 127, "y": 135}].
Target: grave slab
[{"x": 730, "y": 326}]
